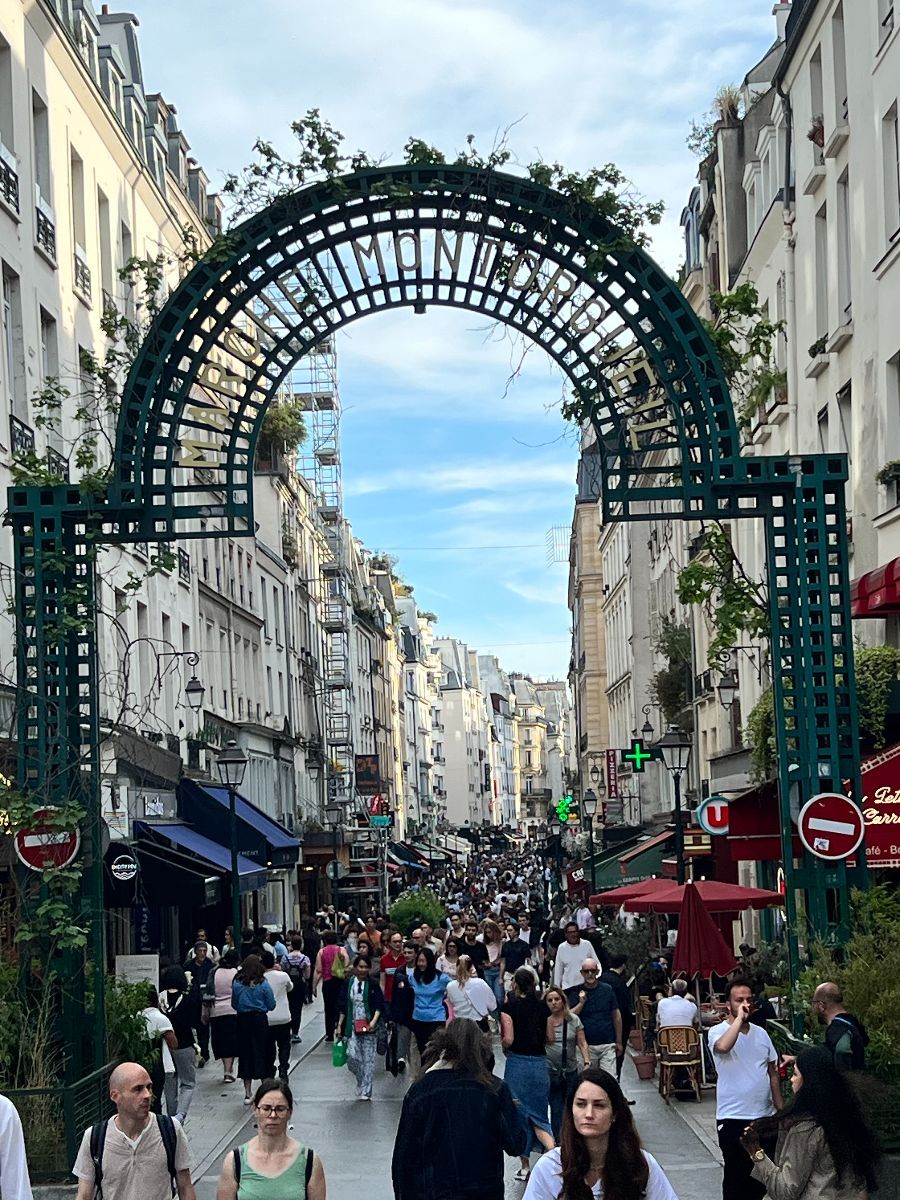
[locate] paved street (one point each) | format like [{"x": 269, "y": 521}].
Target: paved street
[{"x": 353, "y": 1138}]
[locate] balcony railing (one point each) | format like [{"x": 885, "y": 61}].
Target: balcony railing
[
  {"x": 45, "y": 233},
  {"x": 21, "y": 436},
  {"x": 9, "y": 183},
  {"x": 57, "y": 464},
  {"x": 184, "y": 565},
  {"x": 82, "y": 275}
]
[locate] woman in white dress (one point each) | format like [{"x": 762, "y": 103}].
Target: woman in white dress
[{"x": 600, "y": 1151}]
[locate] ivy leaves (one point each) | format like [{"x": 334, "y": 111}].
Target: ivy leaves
[{"x": 745, "y": 340}]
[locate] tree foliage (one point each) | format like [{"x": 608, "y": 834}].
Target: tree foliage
[
  {"x": 745, "y": 339},
  {"x": 877, "y": 668},
  {"x": 414, "y": 907}
]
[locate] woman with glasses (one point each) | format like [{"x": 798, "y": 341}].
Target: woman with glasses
[{"x": 272, "y": 1165}]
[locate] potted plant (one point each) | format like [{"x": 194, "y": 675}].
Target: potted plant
[
  {"x": 817, "y": 131},
  {"x": 818, "y": 346},
  {"x": 889, "y": 472},
  {"x": 644, "y": 1064}
]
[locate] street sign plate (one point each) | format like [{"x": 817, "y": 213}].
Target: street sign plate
[
  {"x": 41, "y": 847},
  {"x": 831, "y": 826},
  {"x": 381, "y": 821},
  {"x": 712, "y": 815},
  {"x": 337, "y": 870}
]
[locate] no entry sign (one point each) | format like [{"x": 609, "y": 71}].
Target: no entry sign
[
  {"x": 712, "y": 815},
  {"x": 830, "y": 826},
  {"x": 42, "y": 846}
]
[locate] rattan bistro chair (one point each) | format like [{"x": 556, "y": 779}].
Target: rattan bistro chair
[{"x": 679, "y": 1049}]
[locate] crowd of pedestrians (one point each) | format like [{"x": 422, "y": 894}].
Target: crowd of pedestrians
[{"x": 511, "y": 1018}]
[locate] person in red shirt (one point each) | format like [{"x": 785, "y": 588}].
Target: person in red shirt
[{"x": 391, "y": 959}]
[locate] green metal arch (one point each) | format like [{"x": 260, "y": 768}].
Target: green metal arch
[{"x": 649, "y": 369}]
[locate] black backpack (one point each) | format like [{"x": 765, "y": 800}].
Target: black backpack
[{"x": 98, "y": 1141}]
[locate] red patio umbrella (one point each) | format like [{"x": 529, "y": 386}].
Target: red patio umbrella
[
  {"x": 620, "y": 895},
  {"x": 700, "y": 948},
  {"x": 716, "y": 897}
]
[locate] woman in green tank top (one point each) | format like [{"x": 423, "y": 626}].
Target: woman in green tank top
[{"x": 272, "y": 1165}]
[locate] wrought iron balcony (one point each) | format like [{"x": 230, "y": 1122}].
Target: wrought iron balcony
[
  {"x": 57, "y": 464},
  {"x": 21, "y": 436},
  {"x": 9, "y": 183},
  {"x": 82, "y": 276},
  {"x": 45, "y": 233},
  {"x": 184, "y": 565}
]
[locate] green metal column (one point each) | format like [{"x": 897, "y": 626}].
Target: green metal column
[
  {"x": 58, "y": 725},
  {"x": 813, "y": 682}
]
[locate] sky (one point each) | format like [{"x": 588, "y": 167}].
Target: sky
[{"x": 448, "y": 465}]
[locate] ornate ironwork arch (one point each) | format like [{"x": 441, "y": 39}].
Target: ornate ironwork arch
[{"x": 518, "y": 252}]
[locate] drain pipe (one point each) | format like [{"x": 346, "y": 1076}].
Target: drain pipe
[{"x": 789, "y": 216}]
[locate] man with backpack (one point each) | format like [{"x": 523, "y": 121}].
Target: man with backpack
[{"x": 134, "y": 1155}]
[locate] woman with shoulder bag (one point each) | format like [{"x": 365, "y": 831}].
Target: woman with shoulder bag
[
  {"x": 220, "y": 1014},
  {"x": 523, "y": 1032},
  {"x": 566, "y": 1045},
  {"x": 363, "y": 1011}
]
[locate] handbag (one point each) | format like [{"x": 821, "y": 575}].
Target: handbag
[
  {"x": 564, "y": 1073},
  {"x": 360, "y": 1025},
  {"x": 339, "y": 1053}
]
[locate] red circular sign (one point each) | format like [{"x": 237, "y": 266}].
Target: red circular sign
[
  {"x": 831, "y": 826},
  {"x": 42, "y": 846}
]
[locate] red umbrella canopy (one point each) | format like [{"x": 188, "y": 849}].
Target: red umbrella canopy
[
  {"x": 716, "y": 897},
  {"x": 700, "y": 948},
  {"x": 620, "y": 895}
]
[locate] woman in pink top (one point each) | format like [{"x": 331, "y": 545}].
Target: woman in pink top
[
  {"x": 331, "y": 983},
  {"x": 221, "y": 1016}
]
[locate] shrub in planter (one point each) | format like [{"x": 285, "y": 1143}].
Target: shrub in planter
[{"x": 411, "y": 908}]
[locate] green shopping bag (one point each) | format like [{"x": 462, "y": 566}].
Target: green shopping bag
[{"x": 339, "y": 1053}]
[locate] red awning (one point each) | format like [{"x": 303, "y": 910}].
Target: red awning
[
  {"x": 753, "y": 818},
  {"x": 716, "y": 896},
  {"x": 615, "y": 897},
  {"x": 877, "y": 593}
]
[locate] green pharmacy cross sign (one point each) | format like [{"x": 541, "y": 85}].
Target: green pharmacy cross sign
[
  {"x": 565, "y": 809},
  {"x": 551, "y": 268},
  {"x": 637, "y": 757}
]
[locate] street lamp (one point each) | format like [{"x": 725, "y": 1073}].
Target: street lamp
[
  {"x": 728, "y": 688},
  {"x": 231, "y": 765},
  {"x": 647, "y": 728},
  {"x": 194, "y": 692},
  {"x": 594, "y": 772},
  {"x": 589, "y": 806},
  {"x": 674, "y": 749},
  {"x": 334, "y": 814}
]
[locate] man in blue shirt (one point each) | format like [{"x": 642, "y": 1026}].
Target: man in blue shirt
[{"x": 596, "y": 1004}]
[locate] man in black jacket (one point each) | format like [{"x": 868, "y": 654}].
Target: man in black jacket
[
  {"x": 614, "y": 976},
  {"x": 845, "y": 1035}
]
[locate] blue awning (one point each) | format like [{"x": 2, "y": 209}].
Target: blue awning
[
  {"x": 404, "y": 858},
  {"x": 259, "y": 837},
  {"x": 250, "y": 874}
]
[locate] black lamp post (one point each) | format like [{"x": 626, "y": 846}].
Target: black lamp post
[
  {"x": 231, "y": 765},
  {"x": 675, "y": 750},
  {"x": 589, "y": 807},
  {"x": 727, "y": 688},
  {"x": 334, "y": 813},
  {"x": 194, "y": 692}
]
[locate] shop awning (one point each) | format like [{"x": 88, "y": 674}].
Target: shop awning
[
  {"x": 432, "y": 854},
  {"x": 259, "y": 837},
  {"x": 753, "y": 831},
  {"x": 645, "y": 859},
  {"x": 877, "y": 593},
  {"x": 217, "y": 856},
  {"x": 398, "y": 853},
  {"x": 606, "y": 864}
]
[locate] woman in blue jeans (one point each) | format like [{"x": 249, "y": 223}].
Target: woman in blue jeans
[
  {"x": 430, "y": 988},
  {"x": 493, "y": 943},
  {"x": 523, "y": 1031}
]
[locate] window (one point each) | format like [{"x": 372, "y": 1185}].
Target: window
[
  {"x": 6, "y": 97},
  {"x": 822, "y": 430},
  {"x": 822, "y": 272},
  {"x": 76, "y": 167},
  {"x": 885, "y": 19},
  {"x": 816, "y": 98},
  {"x": 839, "y": 52},
  {"x": 106, "y": 254},
  {"x": 845, "y": 299},
  {"x": 127, "y": 251},
  {"x": 890, "y": 156},
  {"x": 892, "y": 424},
  {"x": 49, "y": 350},
  {"x": 527, "y": 758},
  {"x": 13, "y": 345},
  {"x": 40, "y": 132},
  {"x": 845, "y": 425}
]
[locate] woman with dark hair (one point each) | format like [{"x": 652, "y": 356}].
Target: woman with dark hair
[
  {"x": 825, "y": 1149},
  {"x": 221, "y": 1015},
  {"x": 364, "y": 1009},
  {"x": 272, "y": 1165},
  {"x": 463, "y": 1114},
  {"x": 523, "y": 1032},
  {"x": 430, "y": 988},
  {"x": 448, "y": 960},
  {"x": 252, "y": 999},
  {"x": 600, "y": 1153}
]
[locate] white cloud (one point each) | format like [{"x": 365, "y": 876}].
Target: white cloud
[
  {"x": 469, "y": 476},
  {"x": 553, "y": 593}
]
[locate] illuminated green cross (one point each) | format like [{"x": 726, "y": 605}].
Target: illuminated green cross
[{"x": 637, "y": 755}]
